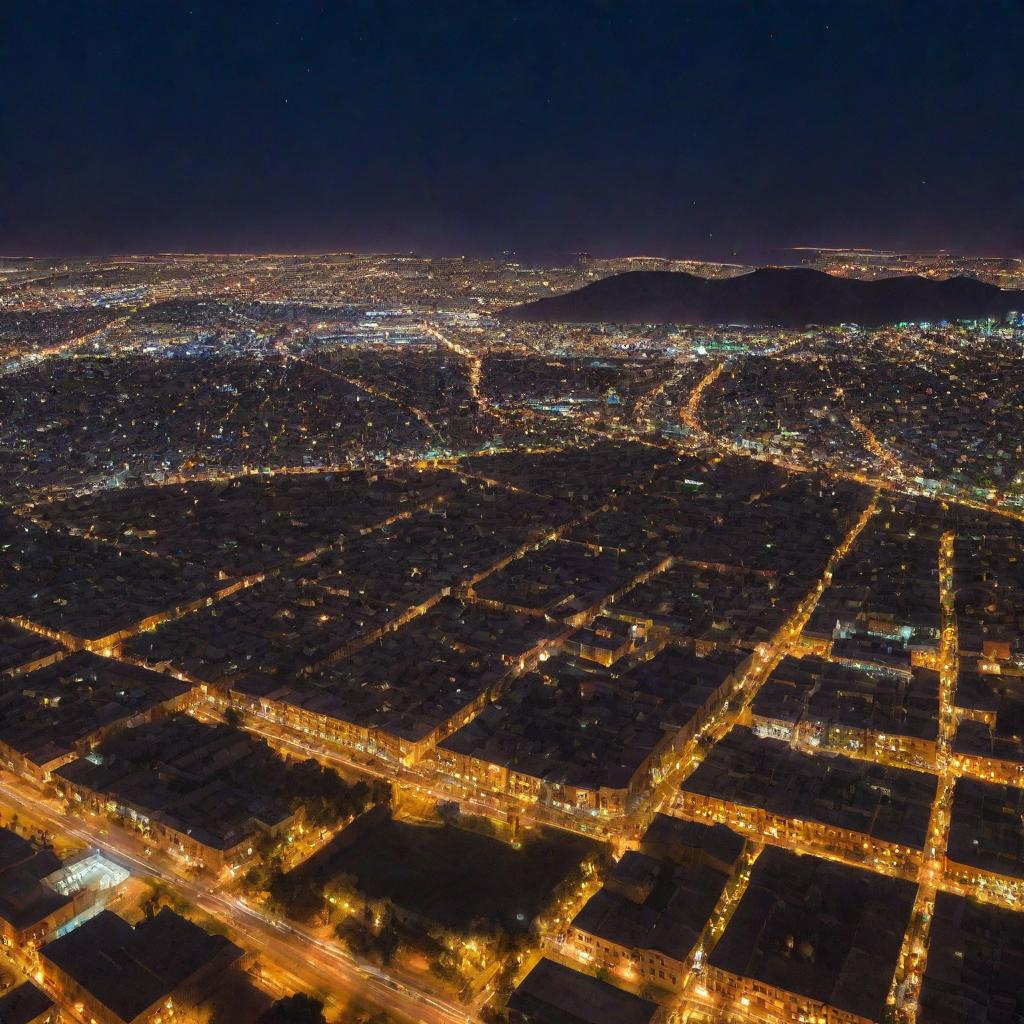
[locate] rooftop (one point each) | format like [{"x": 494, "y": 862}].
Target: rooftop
[
  {"x": 553, "y": 994},
  {"x": 985, "y": 827},
  {"x": 24, "y": 1004},
  {"x": 975, "y": 968},
  {"x": 129, "y": 969},
  {"x": 889, "y": 804},
  {"x": 818, "y": 929}
]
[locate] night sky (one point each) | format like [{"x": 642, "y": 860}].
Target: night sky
[{"x": 669, "y": 128}]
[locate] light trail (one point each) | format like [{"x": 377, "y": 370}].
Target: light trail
[
  {"x": 689, "y": 412},
  {"x": 323, "y": 964},
  {"x": 474, "y": 370}
]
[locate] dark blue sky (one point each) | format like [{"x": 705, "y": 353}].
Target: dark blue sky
[{"x": 673, "y": 128}]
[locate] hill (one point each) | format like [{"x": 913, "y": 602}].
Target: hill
[{"x": 772, "y": 296}]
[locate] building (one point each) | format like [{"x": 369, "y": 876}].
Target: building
[
  {"x": 26, "y": 1004},
  {"x": 554, "y": 994},
  {"x": 984, "y": 852},
  {"x": 114, "y": 973},
  {"x": 990, "y": 710},
  {"x": 866, "y": 710},
  {"x": 398, "y": 697},
  {"x": 654, "y": 912},
  {"x": 974, "y": 971},
  {"x": 811, "y": 940},
  {"x": 200, "y": 806},
  {"x": 605, "y": 640},
  {"x": 40, "y": 896},
  {"x": 590, "y": 741},
  {"x": 63, "y": 710},
  {"x": 870, "y": 813}
]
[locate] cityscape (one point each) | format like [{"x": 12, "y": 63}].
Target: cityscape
[
  {"x": 511, "y": 514},
  {"x": 367, "y": 647}
]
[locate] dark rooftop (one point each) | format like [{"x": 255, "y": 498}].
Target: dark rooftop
[
  {"x": 23, "y": 1004},
  {"x": 975, "y": 970},
  {"x": 129, "y": 969},
  {"x": 819, "y": 929},
  {"x": 985, "y": 827},
  {"x": 890, "y": 804},
  {"x": 24, "y": 898},
  {"x": 553, "y": 994}
]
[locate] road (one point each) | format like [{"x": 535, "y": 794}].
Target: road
[
  {"x": 474, "y": 364},
  {"x": 423, "y": 779},
  {"x": 428, "y": 781},
  {"x": 913, "y": 955},
  {"x": 314, "y": 963}
]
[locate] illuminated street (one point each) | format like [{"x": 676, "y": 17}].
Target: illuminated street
[{"x": 511, "y": 514}]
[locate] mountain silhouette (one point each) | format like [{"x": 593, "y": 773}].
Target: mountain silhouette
[{"x": 770, "y": 297}]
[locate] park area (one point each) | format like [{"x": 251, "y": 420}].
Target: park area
[{"x": 447, "y": 875}]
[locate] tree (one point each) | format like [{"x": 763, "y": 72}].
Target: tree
[
  {"x": 260, "y": 876},
  {"x": 297, "y": 1009},
  {"x": 388, "y": 942},
  {"x": 324, "y": 796},
  {"x": 381, "y": 792},
  {"x": 295, "y": 895},
  {"x": 161, "y": 896},
  {"x": 357, "y": 938}
]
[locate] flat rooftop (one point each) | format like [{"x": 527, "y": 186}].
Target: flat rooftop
[
  {"x": 204, "y": 786},
  {"x": 578, "y": 730},
  {"x": 821, "y": 930},
  {"x": 572, "y": 722},
  {"x": 25, "y": 898},
  {"x": 824, "y": 694},
  {"x": 414, "y": 679},
  {"x": 53, "y": 711},
  {"x": 670, "y": 919},
  {"x": 128, "y": 969},
  {"x": 21, "y": 647},
  {"x": 975, "y": 969},
  {"x": 985, "y": 827},
  {"x": 889, "y": 804},
  {"x": 554, "y": 994},
  {"x": 23, "y": 1004}
]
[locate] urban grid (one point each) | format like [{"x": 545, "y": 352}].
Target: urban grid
[{"x": 367, "y": 651}]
